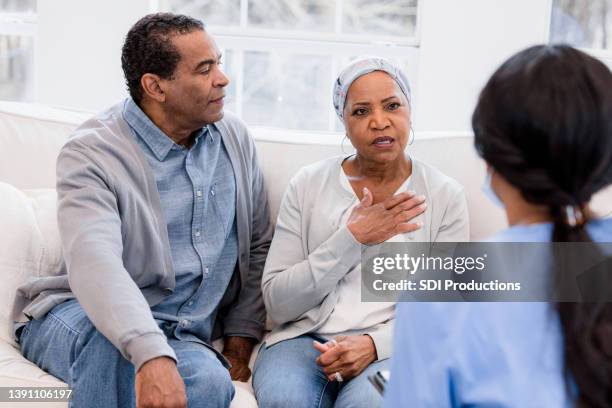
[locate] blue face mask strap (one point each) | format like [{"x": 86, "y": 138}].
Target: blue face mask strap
[{"x": 487, "y": 189}]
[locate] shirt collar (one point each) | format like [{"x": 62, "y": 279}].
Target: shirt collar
[{"x": 159, "y": 143}]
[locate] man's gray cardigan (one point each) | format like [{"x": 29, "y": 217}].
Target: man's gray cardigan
[{"x": 115, "y": 241}]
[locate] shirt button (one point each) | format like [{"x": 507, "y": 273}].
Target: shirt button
[
  {"x": 190, "y": 303},
  {"x": 212, "y": 192},
  {"x": 184, "y": 323},
  {"x": 199, "y": 193},
  {"x": 206, "y": 270},
  {"x": 197, "y": 234}
]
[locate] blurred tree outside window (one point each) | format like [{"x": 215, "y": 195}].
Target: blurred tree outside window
[
  {"x": 17, "y": 38},
  {"x": 584, "y": 24}
]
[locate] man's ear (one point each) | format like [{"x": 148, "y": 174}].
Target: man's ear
[{"x": 151, "y": 86}]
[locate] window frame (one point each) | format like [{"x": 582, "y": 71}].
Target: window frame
[
  {"x": 18, "y": 24},
  {"x": 242, "y": 38},
  {"x": 243, "y": 30}
]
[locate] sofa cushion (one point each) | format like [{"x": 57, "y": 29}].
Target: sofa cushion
[
  {"x": 20, "y": 249},
  {"x": 29, "y": 243},
  {"x": 44, "y": 204},
  {"x": 34, "y": 135},
  {"x": 16, "y": 371}
]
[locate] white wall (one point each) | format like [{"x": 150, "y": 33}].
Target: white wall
[
  {"x": 462, "y": 42},
  {"x": 78, "y": 55}
]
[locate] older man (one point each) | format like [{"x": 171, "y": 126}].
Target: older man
[{"x": 165, "y": 229}]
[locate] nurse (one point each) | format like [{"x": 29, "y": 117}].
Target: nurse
[{"x": 543, "y": 124}]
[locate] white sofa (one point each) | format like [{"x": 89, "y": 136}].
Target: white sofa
[{"x": 30, "y": 139}]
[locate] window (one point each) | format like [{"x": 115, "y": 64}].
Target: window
[
  {"x": 282, "y": 56},
  {"x": 17, "y": 33},
  {"x": 585, "y": 24}
]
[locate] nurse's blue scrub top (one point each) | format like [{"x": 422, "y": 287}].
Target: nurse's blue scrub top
[{"x": 482, "y": 354}]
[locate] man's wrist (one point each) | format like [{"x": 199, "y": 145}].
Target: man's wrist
[{"x": 157, "y": 361}]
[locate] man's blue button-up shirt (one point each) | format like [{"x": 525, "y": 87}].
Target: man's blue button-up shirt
[{"x": 198, "y": 199}]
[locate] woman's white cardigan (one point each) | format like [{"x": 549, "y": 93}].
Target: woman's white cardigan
[{"x": 311, "y": 252}]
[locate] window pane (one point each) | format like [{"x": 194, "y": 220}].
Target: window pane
[
  {"x": 212, "y": 12},
  {"x": 290, "y": 91},
  {"x": 16, "y": 56},
  {"x": 582, "y": 23},
  {"x": 18, "y": 6},
  {"x": 317, "y": 15},
  {"x": 385, "y": 17},
  {"x": 230, "y": 67}
]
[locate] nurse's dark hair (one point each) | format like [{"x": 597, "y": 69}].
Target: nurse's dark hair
[{"x": 544, "y": 123}]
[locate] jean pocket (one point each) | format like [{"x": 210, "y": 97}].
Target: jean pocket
[{"x": 22, "y": 332}]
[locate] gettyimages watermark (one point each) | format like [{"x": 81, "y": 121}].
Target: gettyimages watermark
[{"x": 487, "y": 272}]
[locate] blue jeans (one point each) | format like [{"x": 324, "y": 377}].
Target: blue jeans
[
  {"x": 67, "y": 345},
  {"x": 287, "y": 375}
]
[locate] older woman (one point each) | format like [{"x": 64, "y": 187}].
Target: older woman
[{"x": 326, "y": 341}]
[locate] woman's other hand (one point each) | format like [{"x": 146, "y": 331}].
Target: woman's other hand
[
  {"x": 375, "y": 223},
  {"x": 349, "y": 356}
]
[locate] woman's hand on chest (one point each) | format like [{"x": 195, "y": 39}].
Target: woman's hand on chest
[{"x": 375, "y": 223}]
